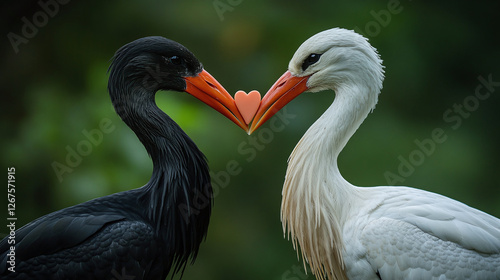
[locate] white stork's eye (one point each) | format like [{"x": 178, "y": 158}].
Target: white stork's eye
[{"x": 310, "y": 60}]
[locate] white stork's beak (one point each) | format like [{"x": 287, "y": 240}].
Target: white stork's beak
[{"x": 284, "y": 90}]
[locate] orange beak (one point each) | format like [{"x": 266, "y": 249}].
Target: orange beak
[
  {"x": 284, "y": 90},
  {"x": 207, "y": 89}
]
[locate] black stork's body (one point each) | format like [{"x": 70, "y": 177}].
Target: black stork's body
[{"x": 145, "y": 232}]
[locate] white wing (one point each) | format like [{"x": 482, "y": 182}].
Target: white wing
[{"x": 414, "y": 234}]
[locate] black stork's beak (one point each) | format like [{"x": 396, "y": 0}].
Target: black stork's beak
[
  {"x": 207, "y": 89},
  {"x": 284, "y": 90}
]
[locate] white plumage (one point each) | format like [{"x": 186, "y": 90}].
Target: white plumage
[{"x": 350, "y": 232}]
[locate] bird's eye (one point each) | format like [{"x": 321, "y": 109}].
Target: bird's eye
[
  {"x": 175, "y": 60},
  {"x": 310, "y": 60}
]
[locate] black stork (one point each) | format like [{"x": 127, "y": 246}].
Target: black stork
[{"x": 146, "y": 232}]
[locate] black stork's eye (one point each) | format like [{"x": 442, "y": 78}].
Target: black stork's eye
[
  {"x": 310, "y": 60},
  {"x": 174, "y": 60}
]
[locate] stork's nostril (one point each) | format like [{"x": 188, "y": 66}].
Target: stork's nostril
[{"x": 210, "y": 84}]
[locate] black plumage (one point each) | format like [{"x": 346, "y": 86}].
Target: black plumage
[{"x": 142, "y": 233}]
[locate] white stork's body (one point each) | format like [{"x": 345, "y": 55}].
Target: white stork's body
[{"x": 350, "y": 232}]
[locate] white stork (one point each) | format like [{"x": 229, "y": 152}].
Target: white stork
[{"x": 350, "y": 232}]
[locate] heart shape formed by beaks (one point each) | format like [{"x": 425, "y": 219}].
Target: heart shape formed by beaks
[{"x": 247, "y": 104}]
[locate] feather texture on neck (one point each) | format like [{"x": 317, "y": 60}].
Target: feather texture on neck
[{"x": 315, "y": 195}]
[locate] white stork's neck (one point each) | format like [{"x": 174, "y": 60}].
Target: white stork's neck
[{"x": 316, "y": 198}]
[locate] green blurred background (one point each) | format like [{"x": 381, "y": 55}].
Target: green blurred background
[{"x": 54, "y": 88}]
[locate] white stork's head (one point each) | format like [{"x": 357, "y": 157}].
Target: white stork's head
[
  {"x": 332, "y": 59},
  {"x": 335, "y": 57}
]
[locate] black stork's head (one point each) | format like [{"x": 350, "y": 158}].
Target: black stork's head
[{"x": 147, "y": 65}]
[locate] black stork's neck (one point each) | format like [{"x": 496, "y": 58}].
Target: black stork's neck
[{"x": 177, "y": 199}]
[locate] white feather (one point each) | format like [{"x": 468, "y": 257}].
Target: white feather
[{"x": 346, "y": 231}]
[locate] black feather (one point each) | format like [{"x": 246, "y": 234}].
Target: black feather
[{"x": 142, "y": 233}]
